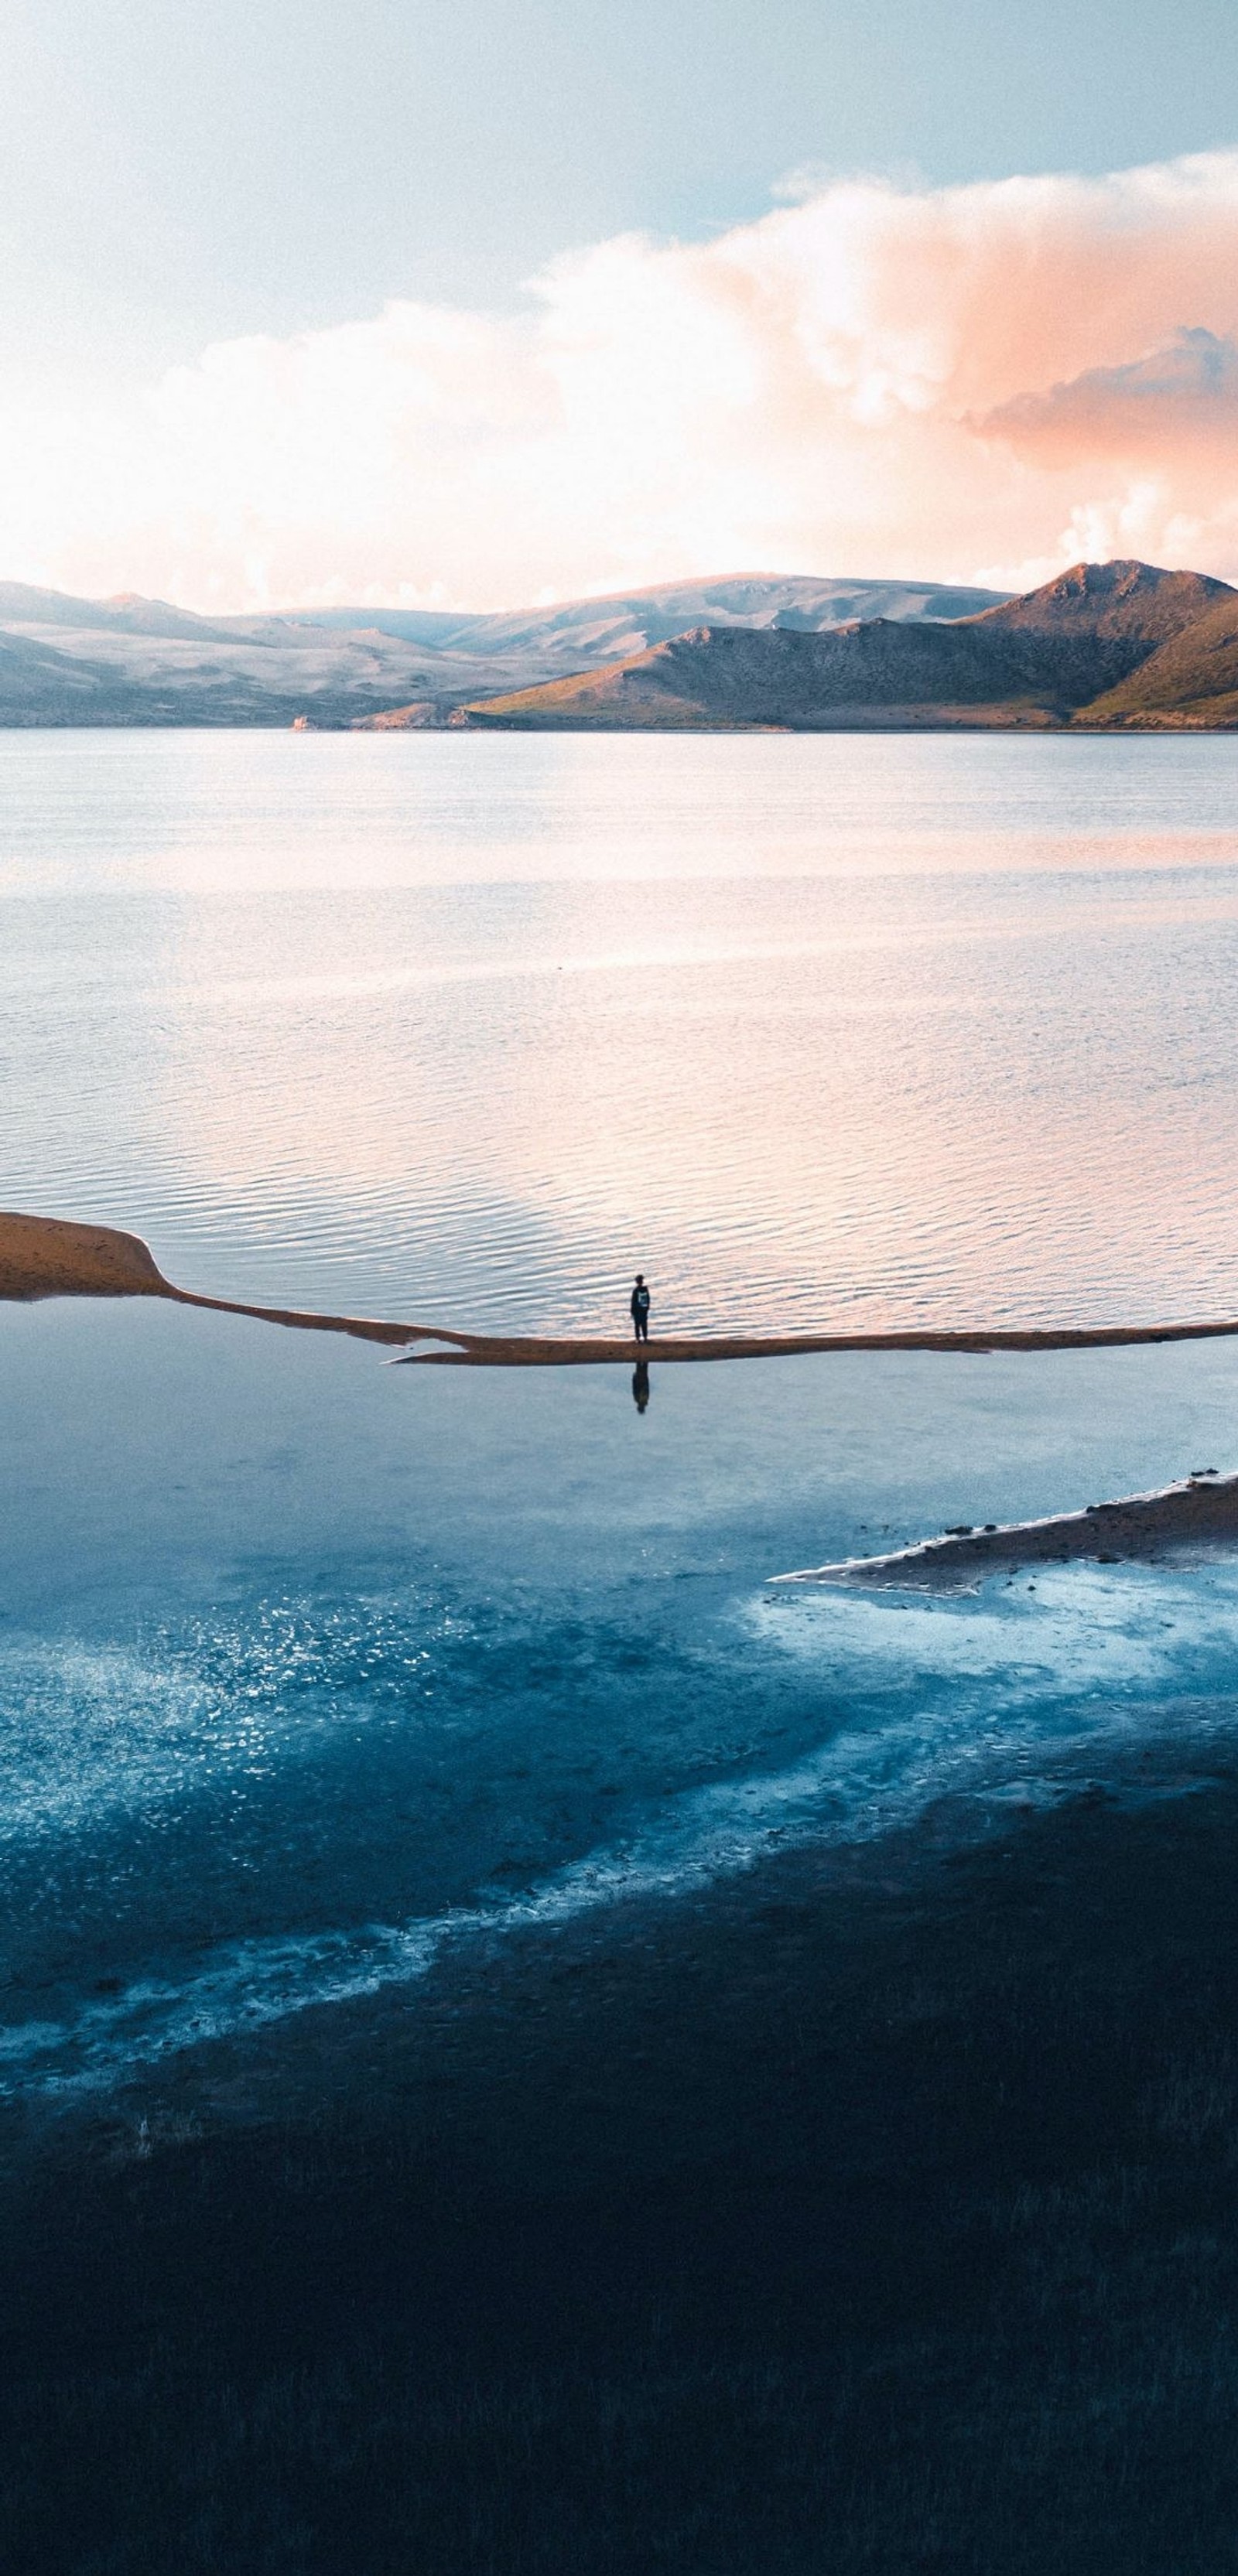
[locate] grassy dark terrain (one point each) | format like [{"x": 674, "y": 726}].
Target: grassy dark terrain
[{"x": 876, "y": 2218}]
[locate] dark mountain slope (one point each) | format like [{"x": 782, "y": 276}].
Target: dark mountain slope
[
  {"x": 1192, "y": 680},
  {"x": 1036, "y": 659},
  {"x": 1120, "y": 604},
  {"x": 1098, "y": 623},
  {"x": 735, "y": 675}
]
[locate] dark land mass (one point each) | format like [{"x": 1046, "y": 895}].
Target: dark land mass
[
  {"x": 865, "y": 2217},
  {"x": 132, "y": 661},
  {"x": 1180, "y": 1519},
  {"x": 1105, "y": 644}
]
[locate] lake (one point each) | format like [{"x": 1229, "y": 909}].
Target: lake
[
  {"x": 311, "y": 1669},
  {"x": 466, "y": 1029}
]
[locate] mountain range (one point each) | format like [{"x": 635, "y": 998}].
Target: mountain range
[
  {"x": 1112, "y": 645},
  {"x": 131, "y": 661},
  {"x": 1116, "y": 646}
]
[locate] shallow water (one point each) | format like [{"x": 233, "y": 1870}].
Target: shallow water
[{"x": 468, "y": 1028}]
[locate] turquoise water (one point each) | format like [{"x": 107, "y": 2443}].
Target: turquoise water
[{"x": 311, "y": 1668}]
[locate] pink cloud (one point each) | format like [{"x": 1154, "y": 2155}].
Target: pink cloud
[
  {"x": 1180, "y": 397},
  {"x": 975, "y": 382}
]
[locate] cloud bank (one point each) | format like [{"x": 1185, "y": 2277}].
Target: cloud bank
[{"x": 975, "y": 383}]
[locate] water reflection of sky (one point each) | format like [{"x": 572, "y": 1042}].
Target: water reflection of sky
[
  {"x": 307, "y": 1664},
  {"x": 469, "y": 1028}
]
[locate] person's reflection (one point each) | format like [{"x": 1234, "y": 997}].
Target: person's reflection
[{"x": 640, "y": 1385}]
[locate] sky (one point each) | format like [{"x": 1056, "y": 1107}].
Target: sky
[{"x": 484, "y": 302}]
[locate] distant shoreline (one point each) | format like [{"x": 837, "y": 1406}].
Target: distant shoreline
[{"x": 1130, "y": 728}]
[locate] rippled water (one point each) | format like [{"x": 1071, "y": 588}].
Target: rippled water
[{"x": 468, "y": 1028}]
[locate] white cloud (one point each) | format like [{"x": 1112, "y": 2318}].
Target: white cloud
[{"x": 960, "y": 382}]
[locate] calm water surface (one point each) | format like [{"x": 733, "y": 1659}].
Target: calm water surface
[{"x": 468, "y": 1028}]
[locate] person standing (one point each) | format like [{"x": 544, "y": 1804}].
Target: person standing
[{"x": 640, "y": 1308}]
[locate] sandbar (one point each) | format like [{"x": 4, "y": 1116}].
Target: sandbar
[{"x": 43, "y": 1256}]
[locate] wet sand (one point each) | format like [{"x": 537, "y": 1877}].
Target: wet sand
[
  {"x": 51, "y": 1257},
  {"x": 42, "y": 1256}
]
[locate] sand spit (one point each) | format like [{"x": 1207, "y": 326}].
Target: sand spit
[
  {"x": 1201, "y": 1512},
  {"x": 43, "y": 1256}
]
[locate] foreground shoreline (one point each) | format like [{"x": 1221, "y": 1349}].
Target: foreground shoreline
[{"x": 1200, "y": 1511}]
